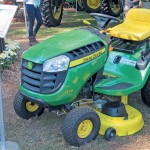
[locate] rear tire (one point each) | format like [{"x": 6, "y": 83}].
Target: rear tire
[
  {"x": 108, "y": 7},
  {"x": 26, "y": 109},
  {"x": 51, "y": 14},
  {"x": 145, "y": 93},
  {"x": 92, "y": 6},
  {"x": 80, "y": 126}
]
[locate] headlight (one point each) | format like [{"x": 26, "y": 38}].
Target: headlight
[{"x": 56, "y": 64}]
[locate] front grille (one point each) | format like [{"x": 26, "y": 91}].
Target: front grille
[
  {"x": 41, "y": 82},
  {"x": 85, "y": 50}
]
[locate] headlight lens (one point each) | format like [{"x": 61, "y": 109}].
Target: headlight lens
[{"x": 56, "y": 64}]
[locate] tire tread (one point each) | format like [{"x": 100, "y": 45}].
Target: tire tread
[
  {"x": 71, "y": 119},
  {"x": 145, "y": 93}
]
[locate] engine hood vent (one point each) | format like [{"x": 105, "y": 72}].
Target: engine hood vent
[{"x": 85, "y": 50}]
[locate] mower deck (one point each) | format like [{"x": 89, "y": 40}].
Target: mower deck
[{"x": 123, "y": 126}]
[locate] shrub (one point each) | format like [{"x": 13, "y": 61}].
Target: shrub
[{"x": 9, "y": 55}]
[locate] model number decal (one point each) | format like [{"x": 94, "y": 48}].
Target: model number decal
[
  {"x": 68, "y": 91},
  {"x": 87, "y": 58}
]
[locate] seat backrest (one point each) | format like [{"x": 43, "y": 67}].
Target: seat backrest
[{"x": 138, "y": 15}]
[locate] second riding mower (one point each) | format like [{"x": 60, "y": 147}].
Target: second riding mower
[{"x": 104, "y": 66}]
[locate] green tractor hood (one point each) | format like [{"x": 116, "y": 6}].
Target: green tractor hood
[{"x": 61, "y": 44}]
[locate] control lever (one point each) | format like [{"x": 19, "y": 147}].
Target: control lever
[{"x": 144, "y": 54}]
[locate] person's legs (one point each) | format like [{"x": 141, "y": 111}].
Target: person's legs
[
  {"x": 38, "y": 17},
  {"x": 31, "y": 11}
]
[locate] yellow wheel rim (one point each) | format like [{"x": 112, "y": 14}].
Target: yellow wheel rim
[
  {"x": 80, "y": 2},
  {"x": 114, "y": 7},
  {"x": 94, "y": 4},
  {"x": 85, "y": 129},
  {"x": 31, "y": 107},
  {"x": 56, "y": 11}
]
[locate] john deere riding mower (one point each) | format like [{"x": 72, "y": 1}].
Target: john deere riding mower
[{"x": 104, "y": 65}]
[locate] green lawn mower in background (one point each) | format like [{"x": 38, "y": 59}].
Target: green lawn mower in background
[
  {"x": 104, "y": 65},
  {"x": 52, "y": 10}
]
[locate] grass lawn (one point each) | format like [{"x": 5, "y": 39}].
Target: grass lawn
[{"x": 71, "y": 20}]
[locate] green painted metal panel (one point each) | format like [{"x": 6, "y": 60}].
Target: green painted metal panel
[
  {"x": 122, "y": 73},
  {"x": 60, "y": 44},
  {"x": 75, "y": 79}
]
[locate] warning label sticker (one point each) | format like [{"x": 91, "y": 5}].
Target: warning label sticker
[{"x": 128, "y": 62}]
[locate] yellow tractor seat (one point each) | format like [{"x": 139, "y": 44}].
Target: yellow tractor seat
[{"x": 136, "y": 26}]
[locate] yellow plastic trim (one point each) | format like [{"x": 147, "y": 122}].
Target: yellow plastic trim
[
  {"x": 123, "y": 127},
  {"x": 87, "y": 58},
  {"x": 110, "y": 75},
  {"x": 124, "y": 99},
  {"x": 86, "y": 22},
  {"x": 84, "y": 129},
  {"x": 94, "y": 4},
  {"x": 31, "y": 107}
]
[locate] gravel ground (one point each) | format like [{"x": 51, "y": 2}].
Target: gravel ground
[{"x": 44, "y": 132}]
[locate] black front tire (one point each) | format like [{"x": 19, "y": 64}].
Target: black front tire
[
  {"x": 20, "y": 107},
  {"x": 80, "y": 126},
  {"x": 145, "y": 93},
  {"x": 107, "y": 7},
  {"x": 51, "y": 14}
]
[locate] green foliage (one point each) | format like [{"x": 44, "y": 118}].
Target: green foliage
[{"x": 9, "y": 55}]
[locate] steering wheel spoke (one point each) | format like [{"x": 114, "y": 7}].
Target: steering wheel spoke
[{"x": 103, "y": 20}]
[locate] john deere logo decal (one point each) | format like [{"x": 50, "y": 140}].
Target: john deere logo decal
[{"x": 30, "y": 65}]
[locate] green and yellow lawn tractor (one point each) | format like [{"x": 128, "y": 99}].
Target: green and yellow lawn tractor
[
  {"x": 52, "y": 10},
  {"x": 105, "y": 66}
]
